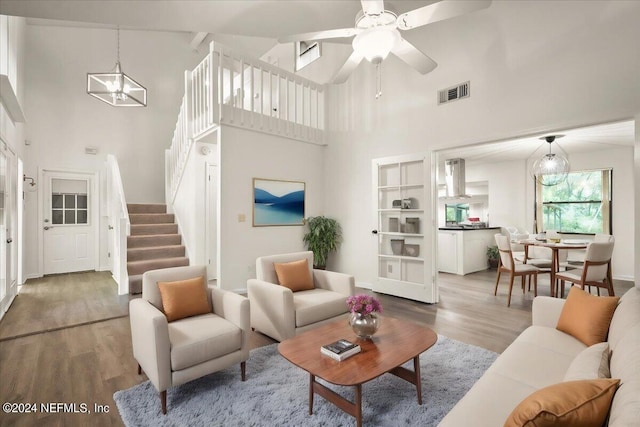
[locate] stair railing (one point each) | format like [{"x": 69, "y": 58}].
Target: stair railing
[{"x": 119, "y": 225}]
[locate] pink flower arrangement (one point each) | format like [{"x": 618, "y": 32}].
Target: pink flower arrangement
[{"x": 364, "y": 304}]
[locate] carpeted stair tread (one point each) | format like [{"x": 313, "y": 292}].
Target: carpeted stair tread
[
  {"x": 151, "y": 218},
  {"x": 146, "y": 241},
  {"x": 153, "y": 252},
  {"x": 138, "y": 208},
  {"x": 154, "y": 242},
  {"x": 147, "y": 229},
  {"x": 139, "y": 267}
]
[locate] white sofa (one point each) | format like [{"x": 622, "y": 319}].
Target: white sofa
[
  {"x": 278, "y": 312},
  {"x": 540, "y": 356}
]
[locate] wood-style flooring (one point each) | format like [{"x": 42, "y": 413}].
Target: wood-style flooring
[{"x": 54, "y": 347}]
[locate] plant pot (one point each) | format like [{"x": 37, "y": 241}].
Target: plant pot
[{"x": 493, "y": 264}]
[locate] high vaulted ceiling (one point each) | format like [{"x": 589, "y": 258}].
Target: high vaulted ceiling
[
  {"x": 522, "y": 28},
  {"x": 258, "y": 18}
]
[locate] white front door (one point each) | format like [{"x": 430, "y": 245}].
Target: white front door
[{"x": 68, "y": 226}]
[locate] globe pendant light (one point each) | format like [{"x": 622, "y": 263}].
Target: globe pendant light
[
  {"x": 115, "y": 87},
  {"x": 551, "y": 169}
]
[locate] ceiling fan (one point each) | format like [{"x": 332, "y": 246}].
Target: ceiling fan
[{"x": 376, "y": 33}]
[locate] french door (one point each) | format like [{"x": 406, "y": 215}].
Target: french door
[{"x": 404, "y": 230}]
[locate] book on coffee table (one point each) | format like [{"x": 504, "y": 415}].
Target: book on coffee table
[{"x": 340, "y": 350}]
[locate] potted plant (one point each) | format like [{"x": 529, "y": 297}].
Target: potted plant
[
  {"x": 493, "y": 254},
  {"x": 324, "y": 236}
]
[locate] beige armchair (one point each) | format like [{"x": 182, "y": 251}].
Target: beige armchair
[
  {"x": 280, "y": 313},
  {"x": 173, "y": 353}
]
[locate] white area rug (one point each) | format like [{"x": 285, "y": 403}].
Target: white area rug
[{"x": 276, "y": 394}]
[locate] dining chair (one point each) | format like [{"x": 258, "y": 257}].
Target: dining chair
[
  {"x": 595, "y": 271},
  {"x": 506, "y": 264},
  {"x": 603, "y": 238}
]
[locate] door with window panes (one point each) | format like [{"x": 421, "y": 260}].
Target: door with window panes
[
  {"x": 68, "y": 233},
  {"x": 404, "y": 255}
]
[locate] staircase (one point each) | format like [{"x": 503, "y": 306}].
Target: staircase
[{"x": 154, "y": 242}]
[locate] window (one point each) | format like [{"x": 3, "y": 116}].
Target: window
[
  {"x": 457, "y": 213},
  {"x": 68, "y": 208},
  {"x": 306, "y": 53},
  {"x": 580, "y": 204}
]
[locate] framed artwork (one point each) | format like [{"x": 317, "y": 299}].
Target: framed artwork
[{"x": 277, "y": 202}]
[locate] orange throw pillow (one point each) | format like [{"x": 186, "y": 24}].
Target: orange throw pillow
[
  {"x": 184, "y": 298},
  {"x": 587, "y": 317},
  {"x": 582, "y": 403},
  {"x": 294, "y": 275}
]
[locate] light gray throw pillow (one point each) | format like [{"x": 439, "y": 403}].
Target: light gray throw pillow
[{"x": 591, "y": 363}]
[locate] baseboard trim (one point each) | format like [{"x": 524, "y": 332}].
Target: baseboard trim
[{"x": 364, "y": 285}]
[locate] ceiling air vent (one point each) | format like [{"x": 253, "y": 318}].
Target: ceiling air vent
[{"x": 453, "y": 93}]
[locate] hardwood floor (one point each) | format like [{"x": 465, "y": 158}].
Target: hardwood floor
[
  {"x": 55, "y": 349},
  {"x": 63, "y": 300}
]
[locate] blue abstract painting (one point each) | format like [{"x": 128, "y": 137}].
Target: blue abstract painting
[{"x": 277, "y": 202}]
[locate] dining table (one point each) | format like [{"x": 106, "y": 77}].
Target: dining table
[{"x": 555, "y": 247}]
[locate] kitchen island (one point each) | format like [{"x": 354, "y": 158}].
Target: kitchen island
[{"x": 463, "y": 250}]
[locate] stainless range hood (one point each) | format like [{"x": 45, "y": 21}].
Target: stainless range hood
[{"x": 455, "y": 178}]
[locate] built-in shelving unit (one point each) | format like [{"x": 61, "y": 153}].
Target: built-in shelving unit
[{"x": 400, "y": 191}]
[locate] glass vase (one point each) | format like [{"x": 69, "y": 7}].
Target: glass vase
[{"x": 364, "y": 325}]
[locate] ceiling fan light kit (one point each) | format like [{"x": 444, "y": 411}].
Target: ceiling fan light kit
[
  {"x": 552, "y": 168},
  {"x": 377, "y": 33},
  {"x": 374, "y": 44}
]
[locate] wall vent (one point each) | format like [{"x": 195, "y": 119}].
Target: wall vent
[{"x": 453, "y": 93}]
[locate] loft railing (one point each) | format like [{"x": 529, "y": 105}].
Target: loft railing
[
  {"x": 254, "y": 94},
  {"x": 226, "y": 88},
  {"x": 119, "y": 226}
]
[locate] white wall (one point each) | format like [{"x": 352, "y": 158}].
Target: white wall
[
  {"x": 535, "y": 69},
  {"x": 63, "y": 119},
  {"x": 245, "y": 155}
]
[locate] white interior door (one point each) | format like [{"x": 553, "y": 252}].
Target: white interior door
[
  {"x": 8, "y": 227},
  {"x": 212, "y": 221},
  {"x": 68, "y": 227},
  {"x": 4, "y": 247},
  {"x": 404, "y": 227}
]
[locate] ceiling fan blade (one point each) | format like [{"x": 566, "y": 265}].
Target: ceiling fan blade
[
  {"x": 320, "y": 35},
  {"x": 412, "y": 56},
  {"x": 343, "y": 74},
  {"x": 439, "y": 12},
  {"x": 372, "y": 7}
]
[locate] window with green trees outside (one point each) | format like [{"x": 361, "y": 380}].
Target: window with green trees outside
[{"x": 579, "y": 204}]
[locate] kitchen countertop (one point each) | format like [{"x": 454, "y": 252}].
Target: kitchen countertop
[{"x": 467, "y": 228}]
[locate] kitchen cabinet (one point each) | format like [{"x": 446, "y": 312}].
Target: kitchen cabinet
[{"x": 464, "y": 251}]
